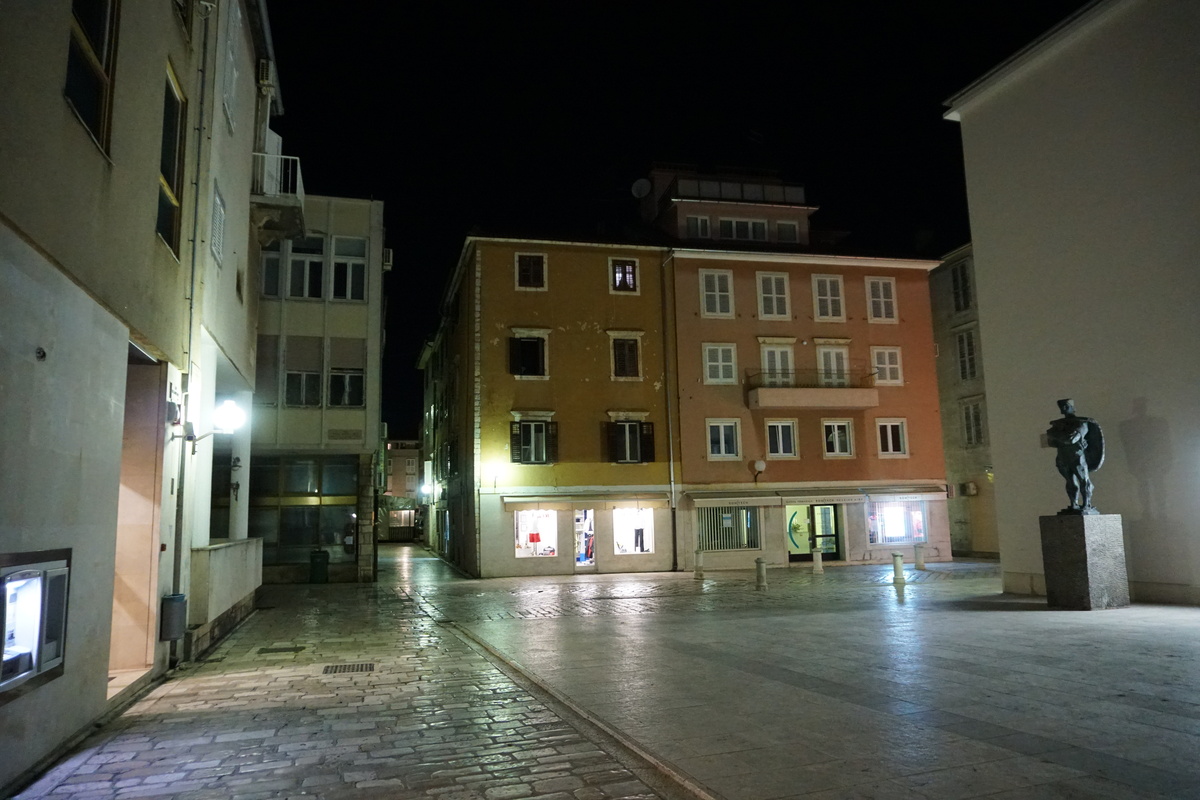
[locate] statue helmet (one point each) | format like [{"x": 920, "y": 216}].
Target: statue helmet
[{"x": 1066, "y": 406}]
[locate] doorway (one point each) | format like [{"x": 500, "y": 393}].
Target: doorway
[
  {"x": 585, "y": 540},
  {"x": 812, "y": 526}
]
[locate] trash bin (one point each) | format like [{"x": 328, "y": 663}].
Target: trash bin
[
  {"x": 318, "y": 567},
  {"x": 172, "y": 618}
]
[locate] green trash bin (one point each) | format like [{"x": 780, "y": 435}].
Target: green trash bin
[{"x": 318, "y": 567}]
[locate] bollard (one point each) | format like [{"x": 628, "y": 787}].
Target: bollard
[
  {"x": 698, "y": 574},
  {"x": 760, "y": 577},
  {"x": 919, "y": 555},
  {"x": 898, "y": 569},
  {"x": 818, "y": 567}
]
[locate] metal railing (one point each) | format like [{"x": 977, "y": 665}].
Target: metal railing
[
  {"x": 851, "y": 377},
  {"x": 277, "y": 176}
]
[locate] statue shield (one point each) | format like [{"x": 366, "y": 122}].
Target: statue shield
[{"x": 1094, "y": 445}]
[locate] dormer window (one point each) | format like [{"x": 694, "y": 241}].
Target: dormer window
[{"x": 745, "y": 229}]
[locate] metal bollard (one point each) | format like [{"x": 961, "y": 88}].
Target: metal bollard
[
  {"x": 898, "y": 569},
  {"x": 698, "y": 574},
  {"x": 760, "y": 577},
  {"x": 818, "y": 566},
  {"x": 919, "y": 555}
]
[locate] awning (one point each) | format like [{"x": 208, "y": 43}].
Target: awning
[
  {"x": 816, "y": 496},
  {"x": 567, "y": 502}
]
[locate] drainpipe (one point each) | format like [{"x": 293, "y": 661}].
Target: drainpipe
[{"x": 669, "y": 328}]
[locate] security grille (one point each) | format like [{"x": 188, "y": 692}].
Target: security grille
[
  {"x": 338, "y": 669},
  {"x": 728, "y": 528}
]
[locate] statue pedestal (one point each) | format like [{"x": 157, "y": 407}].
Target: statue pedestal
[{"x": 1084, "y": 559}]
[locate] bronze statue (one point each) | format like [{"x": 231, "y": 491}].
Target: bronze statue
[{"x": 1080, "y": 444}]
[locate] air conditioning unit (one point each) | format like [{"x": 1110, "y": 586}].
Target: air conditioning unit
[
  {"x": 387, "y": 258},
  {"x": 265, "y": 76}
]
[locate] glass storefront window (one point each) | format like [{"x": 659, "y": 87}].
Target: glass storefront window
[
  {"x": 339, "y": 477},
  {"x": 892, "y": 522},
  {"x": 536, "y": 533},
  {"x": 300, "y": 476},
  {"x": 633, "y": 530}
]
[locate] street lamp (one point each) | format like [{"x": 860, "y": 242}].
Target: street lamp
[{"x": 226, "y": 418}]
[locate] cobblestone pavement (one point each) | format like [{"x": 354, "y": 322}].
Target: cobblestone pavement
[
  {"x": 408, "y": 709},
  {"x": 586, "y": 687}
]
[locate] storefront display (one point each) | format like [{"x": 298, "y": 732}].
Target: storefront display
[
  {"x": 633, "y": 530},
  {"x": 585, "y": 538},
  {"x": 537, "y": 533}
]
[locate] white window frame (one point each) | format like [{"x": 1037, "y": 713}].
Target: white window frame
[
  {"x": 637, "y": 277},
  {"x": 631, "y": 441},
  {"x": 886, "y": 305},
  {"x": 974, "y": 426},
  {"x": 829, "y": 426},
  {"x": 794, "y": 226},
  {"x": 776, "y": 299},
  {"x": 838, "y": 376},
  {"x": 719, "y": 349},
  {"x": 305, "y": 378},
  {"x": 351, "y": 264},
  {"x": 635, "y": 336},
  {"x": 778, "y": 363},
  {"x": 887, "y": 374},
  {"x": 717, "y": 275},
  {"x": 887, "y": 446},
  {"x": 835, "y": 301},
  {"x": 347, "y": 377},
  {"x": 724, "y": 424},
  {"x": 703, "y": 229},
  {"x": 966, "y": 348},
  {"x": 216, "y": 236},
  {"x": 539, "y": 433},
  {"x": 780, "y": 453},
  {"x": 750, "y": 225},
  {"x": 517, "y": 272}
]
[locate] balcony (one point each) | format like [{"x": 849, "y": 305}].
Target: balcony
[
  {"x": 718, "y": 189},
  {"x": 850, "y": 388},
  {"x": 277, "y": 196}
]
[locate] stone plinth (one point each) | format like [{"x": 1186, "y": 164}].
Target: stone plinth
[{"x": 1084, "y": 559}]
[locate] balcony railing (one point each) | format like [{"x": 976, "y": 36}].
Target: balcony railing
[
  {"x": 277, "y": 176},
  {"x": 849, "y": 378}
]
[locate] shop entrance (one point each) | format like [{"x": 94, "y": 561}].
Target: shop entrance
[
  {"x": 585, "y": 540},
  {"x": 813, "y": 526}
]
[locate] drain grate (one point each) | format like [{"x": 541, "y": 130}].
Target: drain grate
[
  {"x": 262, "y": 651},
  {"x": 337, "y": 669}
]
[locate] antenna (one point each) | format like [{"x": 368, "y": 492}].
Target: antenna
[{"x": 641, "y": 187}]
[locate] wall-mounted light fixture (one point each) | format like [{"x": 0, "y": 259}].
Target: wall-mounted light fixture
[
  {"x": 226, "y": 418},
  {"x": 760, "y": 467}
]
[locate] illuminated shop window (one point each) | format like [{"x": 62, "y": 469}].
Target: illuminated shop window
[
  {"x": 537, "y": 533},
  {"x": 633, "y": 530},
  {"x": 896, "y": 521}
]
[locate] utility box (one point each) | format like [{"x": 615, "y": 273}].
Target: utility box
[{"x": 172, "y": 618}]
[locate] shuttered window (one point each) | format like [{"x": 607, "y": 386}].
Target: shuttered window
[
  {"x": 630, "y": 442},
  {"x": 533, "y": 442}
]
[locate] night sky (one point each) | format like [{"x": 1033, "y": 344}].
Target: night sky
[{"x": 536, "y": 116}]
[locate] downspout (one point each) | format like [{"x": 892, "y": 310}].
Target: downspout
[{"x": 668, "y": 344}]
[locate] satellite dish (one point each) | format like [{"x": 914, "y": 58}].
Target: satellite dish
[{"x": 641, "y": 188}]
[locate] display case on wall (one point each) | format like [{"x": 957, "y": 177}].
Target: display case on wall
[{"x": 33, "y": 613}]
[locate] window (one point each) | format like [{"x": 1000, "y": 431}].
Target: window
[
  {"x": 968, "y": 367},
  {"x": 886, "y": 361},
  {"x": 170, "y": 174},
  {"x": 625, "y": 358},
  {"x": 960, "y": 285},
  {"x": 727, "y": 528},
  {"x": 787, "y": 232},
  {"x": 881, "y": 300},
  {"x": 533, "y": 442},
  {"x": 90, "y": 58},
  {"x": 306, "y": 277},
  {"x": 777, "y": 365},
  {"x": 349, "y": 268},
  {"x": 216, "y": 238},
  {"x": 697, "y": 228},
  {"x": 972, "y": 418},
  {"x": 893, "y": 438},
  {"x": 781, "y": 438},
  {"x": 827, "y": 298},
  {"x": 527, "y": 355},
  {"x": 720, "y": 363},
  {"x": 716, "y": 293},
  {"x": 303, "y": 389},
  {"x": 746, "y": 229},
  {"x": 531, "y": 272},
  {"x": 633, "y": 530},
  {"x": 832, "y": 369},
  {"x": 624, "y": 275},
  {"x": 537, "y": 533},
  {"x": 773, "y": 295},
  {"x": 630, "y": 442},
  {"x": 895, "y": 521},
  {"x": 839, "y": 438},
  {"x": 270, "y": 259},
  {"x": 723, "y": 439},
  {"x": 346, "y": 388},
  {"x": 233, "y": 32}
]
